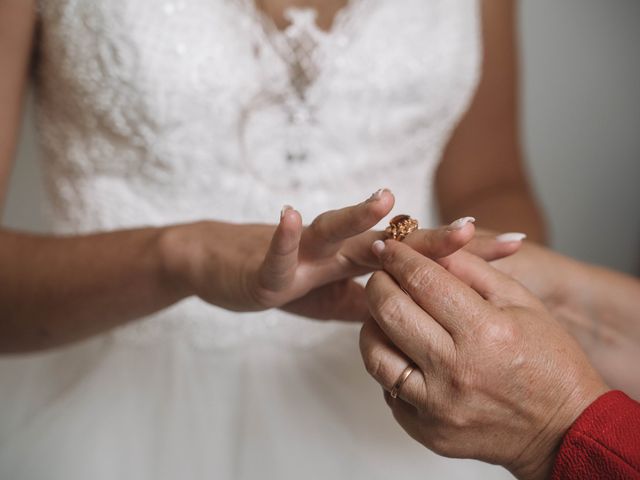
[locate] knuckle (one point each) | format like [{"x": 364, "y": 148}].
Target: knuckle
[
  {"x": 263, "y": 297},
  {"x": 390, "y": 309},
  {"x": 444, "y": 437},
  {"x": 499, "y": 334},
  {"x": 464, "y": 383},
  {"x": 323, "y": 227},
  {"x": 375, "y": 365},
  {"x": 419, "y": 279},
  {"x": 458, "y": 419}
]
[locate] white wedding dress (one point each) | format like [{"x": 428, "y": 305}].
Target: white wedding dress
[{"x": 153, "y": 112}]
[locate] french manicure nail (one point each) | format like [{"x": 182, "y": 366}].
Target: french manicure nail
[
  {"x": 378, "y": 247},
  {"x": 284, "y": 210},
  {"x": 460, "y": 223},
  {"x": 377, "y": 195},
  {"x": 511, "y": 237}
]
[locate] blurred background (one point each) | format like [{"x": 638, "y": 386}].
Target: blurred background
[{"x": 581, "y": 99}]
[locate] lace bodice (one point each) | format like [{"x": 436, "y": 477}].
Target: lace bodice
[{"x": 154, "y": 112}]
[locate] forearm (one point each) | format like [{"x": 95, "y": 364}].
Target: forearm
[
  {"x": 602, "y": 311},
  {"x": 503, "y": 208},
  {"x": 55, "y": 290}
]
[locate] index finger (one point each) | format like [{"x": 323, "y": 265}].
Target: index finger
[
  {"x": 452, "y": 303},
  {"x": 326, "y": 233},
  {"x": 434, "y": 243}
]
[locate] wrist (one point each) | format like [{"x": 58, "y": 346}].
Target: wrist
[
  {"x": 175, "y": 250},
  {"x": 539, "y": 459},
  {"x": 569, "y": 300}
]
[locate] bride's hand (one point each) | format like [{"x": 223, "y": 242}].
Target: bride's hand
[{"x": 255, "y": 267}]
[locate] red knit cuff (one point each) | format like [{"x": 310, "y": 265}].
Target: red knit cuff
[{"x": 603, "y": 442}]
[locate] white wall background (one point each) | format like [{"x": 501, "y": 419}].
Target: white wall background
[
  {"x": 581, "y": 62},
  {"x": 581, "y": 66}
]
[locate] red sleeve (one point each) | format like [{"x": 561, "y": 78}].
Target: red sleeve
[{"x": 603, "y": 442}]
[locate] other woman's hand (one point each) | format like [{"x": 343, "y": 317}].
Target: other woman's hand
[{"x": 496, "y": 378}]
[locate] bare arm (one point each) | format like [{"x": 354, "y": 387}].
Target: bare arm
[
  {"x": 17, "y": 25},
  {"x": 481, "y": 173},
  {"x": 601, "y": 308},
  {"x": 55, "y": 290},
  {"x": 49, "y": 285}
]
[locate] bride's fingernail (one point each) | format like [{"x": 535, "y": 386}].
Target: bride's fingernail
[
  {"x": 460, "y": 223},
  {"x": 378, "y": 247},
  {"x": 377, "y": 195},
  {"x": 284, "y": 210},
  {"x": 511, "y": 237}
]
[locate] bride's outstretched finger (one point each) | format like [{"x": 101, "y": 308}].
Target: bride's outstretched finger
[
  {"x": 327, "y": 232},
  {"x": 278, "y": 269},
  {"x": 442, "y": 241},
  {"x": 432, "y": 243},
  {"x": 490, "y": 247}
]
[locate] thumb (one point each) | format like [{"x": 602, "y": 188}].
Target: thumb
[{"x": 278, "y": 269}]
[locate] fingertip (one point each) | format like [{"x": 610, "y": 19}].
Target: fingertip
[
  {"x": 378, "y": 247},
  {"x": 384, "y": 249},
  {"x": 288, "y": 232},
  {"x": 463, "y": 235},
  {"x": 284, "y": 211},
  {"x": 380, "y": 203},
  {"x": 381, "y": 194},
  {"x": 511, "y": 237},
  {"x": 460, "y": 223},
  {"x": 388, "y": 198},
  {"x": 290, "y": 218}
]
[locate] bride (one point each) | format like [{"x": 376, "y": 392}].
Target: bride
[{"x": 183, "y": 312}]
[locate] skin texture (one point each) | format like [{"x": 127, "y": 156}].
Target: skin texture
[
  {"x": 55, "y": 290},
  {"x": 327, "y": 10},
  {"x": 497, "y": 378},
  {"x": 597, "y": 306}
]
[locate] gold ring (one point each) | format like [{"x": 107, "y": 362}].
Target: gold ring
[
  {"x": 401, "y": 379},
  {"x": 400, "y": 226}
]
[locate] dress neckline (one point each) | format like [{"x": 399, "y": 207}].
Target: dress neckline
[
  {"x": 341, "y": 18},
  {"x": 326, "y": 44}
]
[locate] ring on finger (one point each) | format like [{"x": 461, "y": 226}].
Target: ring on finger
[{"x": 395, "y": 390}]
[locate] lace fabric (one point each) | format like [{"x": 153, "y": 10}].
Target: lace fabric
[{"x": 153, "y": 113}]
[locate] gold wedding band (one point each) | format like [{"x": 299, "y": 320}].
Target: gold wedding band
[
  {"x": 401, "y": 379},
  {"x": 400, "y": 226}
]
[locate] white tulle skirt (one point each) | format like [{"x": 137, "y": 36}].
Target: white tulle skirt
[{"x": 109, "y": 409}]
